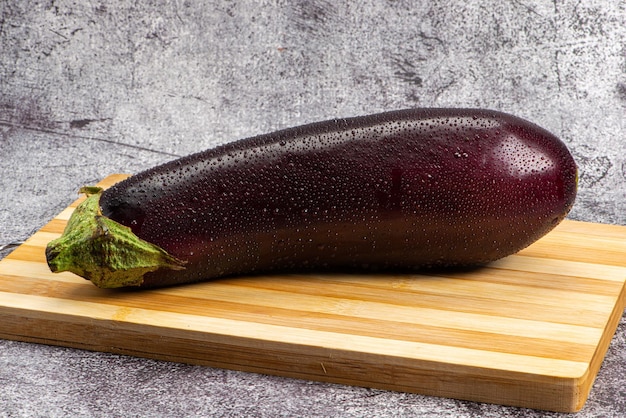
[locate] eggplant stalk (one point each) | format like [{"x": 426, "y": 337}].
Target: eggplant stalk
[{"x": 104, "y": 251}]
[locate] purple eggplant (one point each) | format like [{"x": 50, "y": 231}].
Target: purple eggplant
[{"x": 397, "y": 191}]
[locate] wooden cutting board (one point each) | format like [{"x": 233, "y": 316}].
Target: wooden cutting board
[{"x": 530, "y": 330}]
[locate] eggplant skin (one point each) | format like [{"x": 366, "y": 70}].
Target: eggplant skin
[{"x": 401, "y": 190}]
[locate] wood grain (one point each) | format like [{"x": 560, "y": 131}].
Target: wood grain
[{"x": 530, "y": 330}]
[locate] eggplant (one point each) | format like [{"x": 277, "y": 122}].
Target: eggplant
[{"x": 403, "y": 190}]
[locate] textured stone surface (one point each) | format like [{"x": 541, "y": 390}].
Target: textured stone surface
[{"x": 91, "y": 88}]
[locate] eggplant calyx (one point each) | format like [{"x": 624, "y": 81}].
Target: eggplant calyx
[{"x": 103, "y": 251}]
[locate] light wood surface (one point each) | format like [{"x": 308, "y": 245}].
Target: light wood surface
[{"x": 530, "y": 330}]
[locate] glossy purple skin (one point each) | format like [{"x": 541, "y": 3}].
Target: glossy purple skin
[{"x": 401, "y": 190}]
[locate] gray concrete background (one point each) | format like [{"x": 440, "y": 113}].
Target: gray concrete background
[{"x": 92, "y": 88}]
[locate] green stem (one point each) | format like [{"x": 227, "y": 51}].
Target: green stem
[{"x": 101, "y": 250}]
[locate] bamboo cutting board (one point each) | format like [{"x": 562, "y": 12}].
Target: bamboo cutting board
[{"x": 530, "y": 330}]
